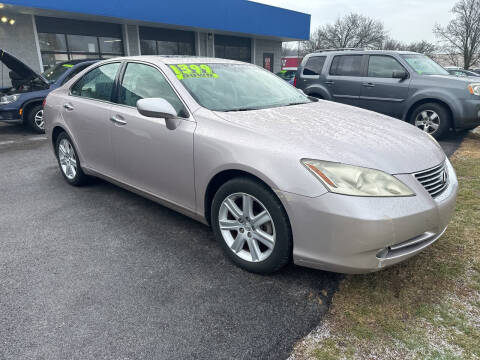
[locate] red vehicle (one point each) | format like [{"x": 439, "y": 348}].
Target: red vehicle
[{"x": 291, "y": 62}]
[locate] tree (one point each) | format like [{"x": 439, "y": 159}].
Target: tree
[
  {"x": 351, "y": 31},
  {"x": 422, "y": 47},
  {"x": 462, "y": 34}
]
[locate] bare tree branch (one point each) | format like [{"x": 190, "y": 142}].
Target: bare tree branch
[{"x": 461, "y": 36}]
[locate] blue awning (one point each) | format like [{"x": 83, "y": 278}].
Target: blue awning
[{"x": 238, "y": 16}]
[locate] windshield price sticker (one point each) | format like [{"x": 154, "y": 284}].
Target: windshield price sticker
[{"x": 184, "y": 71}]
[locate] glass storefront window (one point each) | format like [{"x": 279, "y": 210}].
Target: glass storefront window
[
  {"x": 148, "y": 47},
  {"x": 111, "y": 45},
  {"x": 80, "y": 43},
  {"x": 152, "y": 47},
  {"x": 56, "y": 48},
  {"x": 52, "y": 42}
]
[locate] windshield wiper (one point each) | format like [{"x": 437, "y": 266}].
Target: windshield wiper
[{"x": 242, "y": 109}]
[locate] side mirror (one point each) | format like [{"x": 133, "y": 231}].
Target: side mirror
[
  {"x": 156, "y": 108},
  {"x": 402, "y": 75}
]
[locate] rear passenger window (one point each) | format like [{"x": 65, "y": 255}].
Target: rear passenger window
[
  {"x": 346, "y": 65},
  {"x": 383, "y": 66},
  {"x": 98, "y": 83},
  {"x": 314, "y": 65}
]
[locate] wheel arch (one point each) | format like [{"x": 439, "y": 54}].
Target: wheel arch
[
  {"x": 56, "y": 131},
  {"x": 418, "y": 103},
  {"x": 29, "y": 104},
  {"x": 221, "y": 178}
]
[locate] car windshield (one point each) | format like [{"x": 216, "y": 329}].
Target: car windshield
[
  {"x": 423, "y": 65},
  {"x": 286, "y": 74},
  {"x": 53, "y": 74},
  {"x": 236, "y": 87}
]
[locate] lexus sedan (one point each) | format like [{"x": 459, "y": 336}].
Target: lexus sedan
[{"x": 278, "y": 176}]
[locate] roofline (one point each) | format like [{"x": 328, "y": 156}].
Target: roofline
[{"x": 239, "y": 17}]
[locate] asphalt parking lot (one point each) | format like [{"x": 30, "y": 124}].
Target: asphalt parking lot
[{"x": 100, "y": 273}]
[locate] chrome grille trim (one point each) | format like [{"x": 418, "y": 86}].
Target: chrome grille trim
[{"x": 433, "y": 179}]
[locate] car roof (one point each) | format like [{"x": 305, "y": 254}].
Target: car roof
[
  {"x": 179, "y": 59},
  {"x": 78, "y": 61},
  {"x": 363, "y": 52}
]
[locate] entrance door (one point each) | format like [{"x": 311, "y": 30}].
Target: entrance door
[{"x": 268, "y": 61}]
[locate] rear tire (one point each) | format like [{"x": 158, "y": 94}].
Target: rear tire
[
  {"x": 68, "y": 161},
  {"x": 432, "y": 118},
  {"x": 35, "y": 119},
  {"x": 258, "y": 240}
]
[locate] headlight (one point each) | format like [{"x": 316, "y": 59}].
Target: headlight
[
  {"x": 356, "y": 181},
  {"x": 8, "y": 99},
  {"x": 474, "y": 89}
]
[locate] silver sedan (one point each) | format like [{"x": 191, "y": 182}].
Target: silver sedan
[{"x": 278, "y": 176}]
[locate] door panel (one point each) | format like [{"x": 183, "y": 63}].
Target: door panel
[
  {"x": 380, "y": 92},
  {"x": 345, "y": 78},
  {"x": 89, "y": 123},
  {"x": 87, "y": 113},
  {"x": 148, "y": 155},
  {"x": 153, "y": 158}
]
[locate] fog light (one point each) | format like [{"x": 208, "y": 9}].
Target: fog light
[{"x": 4, "y": 19}]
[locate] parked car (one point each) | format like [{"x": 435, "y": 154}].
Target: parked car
[
  {"x": 404, "y": 85},
  {"x": 23, "y": 100},
  {"x": 277, "y": 175},
  {"x": 461, "y": 72},
  {"x": 287, "y": 75}
]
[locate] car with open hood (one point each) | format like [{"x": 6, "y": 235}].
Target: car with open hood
[
  {"x": 279, "y": 176},
  {"x": 23, "y": 99}
]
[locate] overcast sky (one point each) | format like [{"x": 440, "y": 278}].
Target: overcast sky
[{"x": 406, "y": 20}]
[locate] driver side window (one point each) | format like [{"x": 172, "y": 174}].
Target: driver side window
[{"x": 142, "y": 81}]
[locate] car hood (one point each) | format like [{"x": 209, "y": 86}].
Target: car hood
[
  {"x": 453, "y": 78},
  {"x": 20, "y": 67},
  {"x": 334, "y": 132}
]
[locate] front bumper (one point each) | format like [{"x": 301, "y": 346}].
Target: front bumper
[
  {"x": 469, "y": 116},
  {"x": 359, "y": 234},
  {"x": 8, "y": 114}
]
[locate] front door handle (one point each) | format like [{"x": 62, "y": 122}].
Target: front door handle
[
  {"x": 117, "y": 119},
  {"x": 368, "y": 85},
  {"x": 68, "y": 106}
]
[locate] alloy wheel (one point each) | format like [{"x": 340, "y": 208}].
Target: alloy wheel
[
  {"x": 428, "y": 121},
  {"x": 67, "y": 159},
  {"x": 247, "y": 227},
  {"x": 38, "y": 119}
]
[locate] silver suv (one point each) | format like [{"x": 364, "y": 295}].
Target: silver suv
[{"x": 404, "y": 85}]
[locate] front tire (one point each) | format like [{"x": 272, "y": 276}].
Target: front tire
[
  {"x": 250, "y": 223},
  {"x": 35, "y": 119},
  {"x": 68, "y": 161},
  {"x": 432, "y": 118}
]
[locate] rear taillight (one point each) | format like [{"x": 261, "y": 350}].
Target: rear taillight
[
  {"x": 295, "y": 81},
  {"x": 44, "y": 102}
]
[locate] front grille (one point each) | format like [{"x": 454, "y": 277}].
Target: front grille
[{"x": 434, "y": 180}]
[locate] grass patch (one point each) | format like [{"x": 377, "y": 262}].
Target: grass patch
[{"x": 425, "y": 308}]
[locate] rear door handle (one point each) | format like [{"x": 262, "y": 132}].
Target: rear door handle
[
  {"x": 329, "y": 82},
  {"x": 68, "y": 106},
  {"x": 117, "y": 119},
  {"x": 368, "y": 85}
]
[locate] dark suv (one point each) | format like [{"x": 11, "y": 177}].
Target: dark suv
[
  {"x": 405, "y": 85},
  {"x": 23, "y": 100}
]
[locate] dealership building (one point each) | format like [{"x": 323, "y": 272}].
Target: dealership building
[{"x": 44, "y": 32}]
